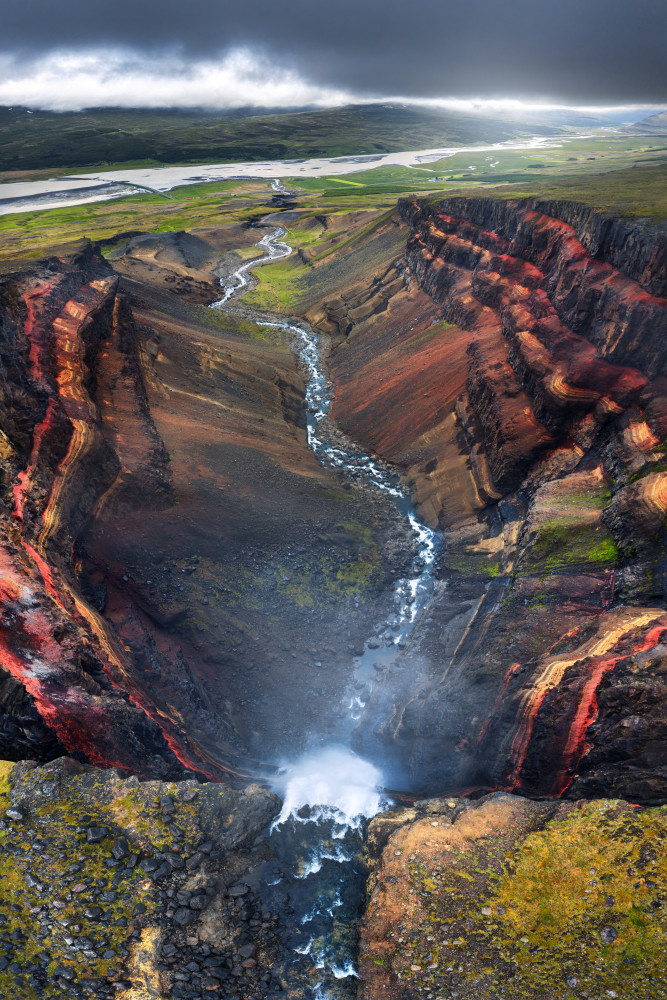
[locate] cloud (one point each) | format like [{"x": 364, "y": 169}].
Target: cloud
[
  {"x": 225, "y": 54},
  {"x": 70, "y": 80}
]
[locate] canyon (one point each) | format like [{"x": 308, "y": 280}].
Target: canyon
[
  {"x": 185, "y": 588},
  {"x": 159, "y": 464}
]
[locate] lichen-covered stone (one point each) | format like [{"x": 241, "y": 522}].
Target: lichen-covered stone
[
  {"x": 75, "y": 907},
  {"x": 515, "y": 899}
]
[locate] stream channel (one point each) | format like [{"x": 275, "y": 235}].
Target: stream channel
[{"x": 315, "y": 878}]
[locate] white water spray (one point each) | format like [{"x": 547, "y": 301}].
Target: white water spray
[{"x": 330, "y": 784}]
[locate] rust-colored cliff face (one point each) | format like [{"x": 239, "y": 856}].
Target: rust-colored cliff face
[
  {"x": 526, "y": 404},
  {"x": 56, "y": 463},
  {"x": 171, "y": 546},
  {"x": 169, "y": 541}
]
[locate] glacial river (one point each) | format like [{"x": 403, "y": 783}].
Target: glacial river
[
  {"x": 315, "y": 879},
  {"x": 81, "y": 189}
]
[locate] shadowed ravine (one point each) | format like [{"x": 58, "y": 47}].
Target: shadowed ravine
[
  {"x": 329, "y": 793},
  {"x": 337, "y": 452}
]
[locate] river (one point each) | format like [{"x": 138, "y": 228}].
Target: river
[
  {"x": 315, "y": 879},
  {"x": 81, "y": 189}
]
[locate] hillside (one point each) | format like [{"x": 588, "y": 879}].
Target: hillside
[
  {"x": 35, "y": 140},
  {"x": 199, "y": 581},
  {"x": 653, "y": 125}
]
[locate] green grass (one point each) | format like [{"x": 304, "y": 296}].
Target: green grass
[
  {"x": 568, "y": 155},
  {"x": 347, "y": 242},
  {"x": 32, "y": 234},
  {"x": 569, "y": 542},
  {"x": 285, "y": 283},
  {"x": 620, "y": 178},
  {"x": 639, "y": 192},
  {"x": 280, "y": 286}
]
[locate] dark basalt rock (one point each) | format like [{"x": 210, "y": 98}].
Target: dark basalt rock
[
  {"x": 116, "y": 908},
  {"x": 96, "y": 833},
  {"x": 111, "y": 576}
]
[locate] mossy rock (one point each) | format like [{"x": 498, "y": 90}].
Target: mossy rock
[
  {"x": 74, "y": 903},
  {"x": 522, "y": 900}
]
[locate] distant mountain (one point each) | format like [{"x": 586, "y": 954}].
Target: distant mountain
[
  {"x": 572, "y": 118},
  {"x": 653, "y": 125}
]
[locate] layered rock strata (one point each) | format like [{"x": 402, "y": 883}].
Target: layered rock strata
[
  {"x": 170, "y": 543},
  {"x": 525, "y": 403},
  {"x": 56, "y": 464}
]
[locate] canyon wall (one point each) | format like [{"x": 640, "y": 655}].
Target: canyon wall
[
  {"x": 56, "y": 651},
  {"x": 170, "y": 545},
  {"x": 526, "y": 405}
]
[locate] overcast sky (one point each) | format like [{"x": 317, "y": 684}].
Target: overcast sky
[{"x": 73, "y": 53}]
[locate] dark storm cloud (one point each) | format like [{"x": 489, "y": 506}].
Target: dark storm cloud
[{"x": 575, "y": 51}]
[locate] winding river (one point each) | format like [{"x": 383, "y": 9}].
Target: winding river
[
  {"x": 412, "y": 594},
  {"x": 315, "y": 878},
  {"x": 82, "y": 189}
]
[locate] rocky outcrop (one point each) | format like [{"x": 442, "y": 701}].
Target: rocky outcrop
[
  {"x": 112, "y": 884},
  {"x": 636, "y": 249}
]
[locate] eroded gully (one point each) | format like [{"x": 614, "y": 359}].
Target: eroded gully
[{"x": 315, "y": 877}]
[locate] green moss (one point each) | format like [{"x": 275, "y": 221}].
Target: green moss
[
  {"x": 471, "y": 563},
  {"x": 649, "y": 469},
  {"x": 567, "y": 542},
  {"x": 50, "y": 841},
  {"x": 598, "y": 868},
  {"x": 220, "y": 320},
  {"x": 5, "y": 768},
  {"x": 228, "y": 599},
  {"x": 516, "y": 918},
  {"x": 358, "y": 574},
  {"x": 330, "y": 577}
]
